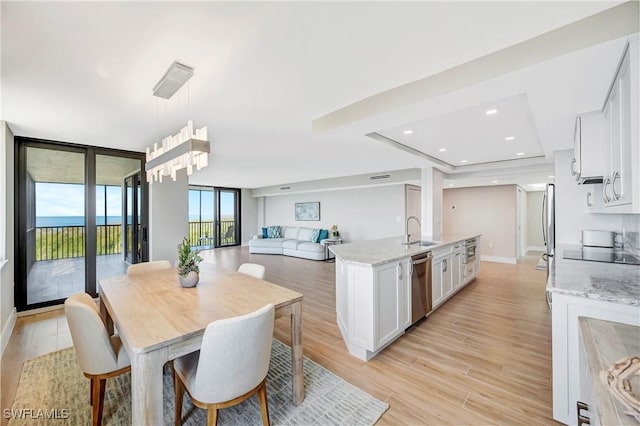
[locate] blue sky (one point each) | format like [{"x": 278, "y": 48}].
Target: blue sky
[{"x": 55, "y": 199}]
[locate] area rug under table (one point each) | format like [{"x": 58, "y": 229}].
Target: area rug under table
[{"x": 53, "y": 386}]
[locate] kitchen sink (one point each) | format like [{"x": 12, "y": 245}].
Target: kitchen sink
[{"x": 429, "y": 243}]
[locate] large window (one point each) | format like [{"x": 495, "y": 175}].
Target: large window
[{"x": 214, "y": 217}]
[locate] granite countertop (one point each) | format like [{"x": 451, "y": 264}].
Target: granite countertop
[
  {"x": 610, "y": 282},
  {"x": 385, "y": 250},
  {"x": 605, "y": 343}
]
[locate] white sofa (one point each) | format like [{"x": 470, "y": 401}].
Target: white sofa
[{"x": 295, "y": 241}]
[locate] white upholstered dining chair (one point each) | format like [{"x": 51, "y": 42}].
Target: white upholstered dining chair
[
  {"x": 230, "y": 367},
  {"x": 141, "y": 268},
  {"x": 252, "y": 269},
  {"x": 100, "y": 356}
]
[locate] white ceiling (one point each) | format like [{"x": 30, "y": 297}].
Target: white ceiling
[{"x": 83, "y": 73}]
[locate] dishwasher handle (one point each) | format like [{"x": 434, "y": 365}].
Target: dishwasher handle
[{"x": 421, "y": 260}]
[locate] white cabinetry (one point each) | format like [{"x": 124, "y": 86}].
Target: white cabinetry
[
  {"x": 621, "y": 182},
  {"x": 588, "y": 143},
  {"x": 373, "y": 305},
  {"x": 449, "y": 272},
  {"x": 566, "y": 345}
]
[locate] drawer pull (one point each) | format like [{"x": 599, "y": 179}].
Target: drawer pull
[{"x": 582, "y": 420}]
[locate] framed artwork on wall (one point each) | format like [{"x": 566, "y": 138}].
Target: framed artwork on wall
[{"x": 308, "y": 211}]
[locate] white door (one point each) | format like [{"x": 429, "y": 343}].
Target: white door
[{"x": 521, "y": 223}]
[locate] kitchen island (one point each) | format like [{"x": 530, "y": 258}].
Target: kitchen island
[
  {"x": 373, "y": 286},
  {"x": 576, "y": 288}
]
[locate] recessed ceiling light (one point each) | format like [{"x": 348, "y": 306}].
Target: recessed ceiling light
[
  {"x": 491, "y": 111},
  {"x": 537, "y": 185},
  {"x": 464, "y": 161},
  {"x": 551, "y": 176},
  {"x": 509, "y": 138},
  {"x": 519, "y": 153},
  {"x": 494, "y": 181},
  {"x": 442, "y": 149},
  {"x": 450, "y": 184},
  {"x": 408, "y": 132}
]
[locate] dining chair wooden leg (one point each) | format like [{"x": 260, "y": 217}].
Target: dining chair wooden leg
[
  {"x": 98, "y": 400},
  {"x": 91, "y": 392},
  {"x": 179, "y": 394},
  {"x": 264, "y": 406},
  {"x": 212, "y": 416}
]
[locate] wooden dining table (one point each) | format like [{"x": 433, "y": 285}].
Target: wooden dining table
[{"x": 159, "y": 321}]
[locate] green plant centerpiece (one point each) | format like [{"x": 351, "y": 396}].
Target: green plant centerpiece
[{"x": 188, "y": 260}]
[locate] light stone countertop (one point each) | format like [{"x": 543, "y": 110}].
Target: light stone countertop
[
  {"x": 385, "y": 250},
  {"x": 610, "y": 282},
  {"x": 604, "y": 344}
]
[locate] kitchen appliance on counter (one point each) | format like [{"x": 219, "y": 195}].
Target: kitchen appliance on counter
[
  {"x": 599, "y": 246},
  {"x": 420, "y": 286}
]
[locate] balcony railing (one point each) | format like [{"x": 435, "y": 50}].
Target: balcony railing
[
  {"x": 66, "y": 242},
  {"x": 202, "y": 233}
]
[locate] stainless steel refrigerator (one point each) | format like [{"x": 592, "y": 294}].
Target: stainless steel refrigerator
[{"x": 549, "y": 220}]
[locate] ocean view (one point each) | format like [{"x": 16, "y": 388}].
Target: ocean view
[{"x": 47, "y": 221}]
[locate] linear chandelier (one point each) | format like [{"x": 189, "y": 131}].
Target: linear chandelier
[
  {"x": 182, "y": 150},
  {"x": 186, "y": 149}
]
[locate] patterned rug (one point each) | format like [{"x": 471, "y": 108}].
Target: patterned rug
[{"x": 53, "y": 390}]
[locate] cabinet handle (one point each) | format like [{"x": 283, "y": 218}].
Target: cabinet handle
[
  {"x": 616, "y": 175},
  {"x": 589, "y": 203},
  {"x": 399, "y": 271},
  {"x": 605, "y": 197},
  {"x": 444, "y": 265},
  {"x": 573, "y": 172}
]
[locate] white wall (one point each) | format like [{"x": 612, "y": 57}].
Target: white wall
[
  {"x": 168, "y": 216},
  {"x": 572, "y": 215},
  {"x": 486, "y": 210},
  {"x": 7, "y": 305},
  {"x": 361, "y": 214},
  {"x": 535, "y": 241},
  {"x": 248, "y": 215}
]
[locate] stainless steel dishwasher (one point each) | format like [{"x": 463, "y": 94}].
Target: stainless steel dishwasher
[{"x": 420, "y": 286}]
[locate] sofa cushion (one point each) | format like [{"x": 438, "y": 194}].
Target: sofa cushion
[
  {"x": 311, "y": 247},
  {"x": 324, "y": 234},
  {"x": 274, "y": 232},
  {"x": 266, "y": 242},
  {"x": 264, "y": 233},
  {"x": 305, "y": 234},
  {"x": 291, "y": 232},
  {"x": 315, "y": 235},
  {"x": 290, "y": 244}
]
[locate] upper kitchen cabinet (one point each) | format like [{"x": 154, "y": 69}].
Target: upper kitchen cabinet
[
  {"x": 621, "y": 182},
  {"x": 589, "y": 137}
]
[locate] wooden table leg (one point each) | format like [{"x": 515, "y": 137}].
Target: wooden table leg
[
  {"x": 146, "y": 387},
  {"x": 106, "y": 317},
  {"x": 296, "y": 353}
]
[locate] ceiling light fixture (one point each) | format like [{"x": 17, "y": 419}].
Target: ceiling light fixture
[
  {"x": 442, "y": 149},
  {"x": 551, "y": 177},
  {"x": 519, "y": 153},
  {"x": 537, "y": 185},
  {"x": 494, "y": 181},
  {"x": 464, "y": 161},
  {"x": 408, "y": 132},
  {"x": 451, "y": 184},
  {"x": 186, "y": 149},
  {"x": 509, "y": 138},
  {"x": 491, "y": 111}
]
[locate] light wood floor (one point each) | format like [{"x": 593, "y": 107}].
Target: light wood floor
[{"x": 482, "y": 358}]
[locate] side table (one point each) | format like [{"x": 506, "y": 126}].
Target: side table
[{"x": 327, "y": 253}]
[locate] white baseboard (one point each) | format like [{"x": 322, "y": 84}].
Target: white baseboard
[
  {"x": 498, "y": 259},
  {"x": 8, "y": 329},
  {"x": 536, "y": 248},
  {"x": 41, "y": 310}
]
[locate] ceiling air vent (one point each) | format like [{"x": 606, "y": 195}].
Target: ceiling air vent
[
  {"x": 284, "y": 188},
  {"x": 378, "y": 177}
]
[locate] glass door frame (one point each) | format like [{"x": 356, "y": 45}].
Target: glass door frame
[
  {"x": 218, "y": 220},
  {"x": 138, "y": 230},
  {"x": 21, "y": 212}
]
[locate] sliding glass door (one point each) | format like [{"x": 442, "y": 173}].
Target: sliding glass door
[
  {"x": 69, "y": 218},
  {"x": 214, "y": 217}
]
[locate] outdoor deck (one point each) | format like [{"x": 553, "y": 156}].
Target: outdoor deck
[{"x": 57, "y": 279}]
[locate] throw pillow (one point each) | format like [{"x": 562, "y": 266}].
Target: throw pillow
[
  {"x": 315, "y": 235},
  {"x": 324, "y": 234},
  {"x": 273, "y": 232},
  {"x": 264, "y": 233}
]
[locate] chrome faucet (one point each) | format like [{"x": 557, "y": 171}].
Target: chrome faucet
[{"x": 409, "y": 235}]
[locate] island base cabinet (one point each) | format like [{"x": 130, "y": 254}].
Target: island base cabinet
[
  {"x": 566, "y": 310},
  {"x": 373, "y": 305}
]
